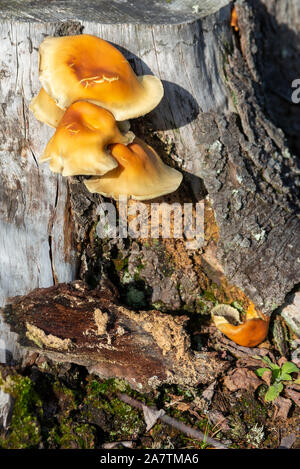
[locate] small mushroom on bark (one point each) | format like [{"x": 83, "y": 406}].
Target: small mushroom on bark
[
  {"x": 45, "y": 109},
  {"x": 85, "y": 67},
  {"x": 79, "y": 145},
  {"x": 140, "y": 174},
  {"x": 249, "y": 333}
]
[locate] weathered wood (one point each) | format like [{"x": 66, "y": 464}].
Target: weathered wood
[{"x": 110, "y": 12}]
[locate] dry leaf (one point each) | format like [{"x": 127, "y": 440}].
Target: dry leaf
[
  {"x": 217, "y": 418},
  {"x": 182, "y": 406},
  {"x": 151, "y": 416},
  {"x": 242, "y": 378},
  {"x": 282, "y": 407},
  {"x": 294, "y": 395},
  {"x": 267, "y": 377},
  {"x": 287, "y": 441}
]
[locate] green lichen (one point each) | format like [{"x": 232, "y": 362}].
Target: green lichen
[{"x": 255, "y": 436}]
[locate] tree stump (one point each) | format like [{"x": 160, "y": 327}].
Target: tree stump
[{"x": 216, "y": 123}]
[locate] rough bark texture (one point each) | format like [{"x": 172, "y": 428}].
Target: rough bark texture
[
  {"x": 71, "y": 323},
  {"x": 216, "y": 123}
]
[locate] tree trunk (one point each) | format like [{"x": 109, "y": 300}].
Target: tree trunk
[{"x": 216, "y": 123}]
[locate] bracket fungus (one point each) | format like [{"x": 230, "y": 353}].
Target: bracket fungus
[
  {"x": 140, "y": 174},
  {"x": 249, "y": 333},
  {"x": 89, "y": 91},
  {"x": 45, "y": 109},
  {"x": 79, "y": 145},
  {"x": 87, "y": 68}
]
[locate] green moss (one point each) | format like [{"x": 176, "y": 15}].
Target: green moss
[
  {"x": 209, "y": 296},
  {"x": 70, "y": 435},
  {"x": 121, "y": 264},
  {"x": 24, "y": 431},
  {"x": 135, "y": 298},
  {"x": 200, "y": 306},
  {"x": 66, "y": 397},
  {"x": 138, "y": 270},
  {"x": 126, "y": 421},
  {"x": 234, "y": 99},
  {"x": 245, "y": 415},
  {"x": 96, "y": 388}
]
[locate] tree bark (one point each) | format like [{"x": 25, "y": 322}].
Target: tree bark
[{"x": 216, "y": 124}]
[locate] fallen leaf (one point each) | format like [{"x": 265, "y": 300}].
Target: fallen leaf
[
  {"x": 193, "y": 412},
  {"x": 217, "y": 418},
  {"x": 182, "y": 406},
  {"x": 282, "y": 407},
  {"x": 114, "y": 444},
  {"x": 174, "y": 400},
  {"x": 281, "y": 361},
  {"x": 248, "y": 362},
  {"x": 242, "y": 378},
  {"x": 287, "y": 441},
  {"x": 267, "y": 377},
  {"x": 204, "y": 401},
  {"x": 208, "y": 393},
  {"x": 151, "y": 416},
  {"x": 294, "y": 395}
]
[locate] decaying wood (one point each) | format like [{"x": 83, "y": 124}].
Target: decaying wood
[{"x": 71, "y": 323}]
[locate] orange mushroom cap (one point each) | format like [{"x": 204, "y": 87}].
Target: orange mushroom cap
[
  {"x": 87, "y": 68},
  {"x": 140, "y": 174},
  {"x": 234, "y": 19},
  {"x": 45, "y": 109},
  {"x": 250, "y": 333},
  {"x": 79, "y": 145}
]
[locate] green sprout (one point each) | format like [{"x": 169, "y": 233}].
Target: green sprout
[{"x": 279, "y": 374}]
